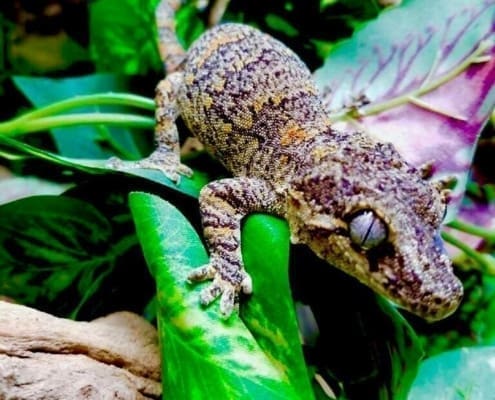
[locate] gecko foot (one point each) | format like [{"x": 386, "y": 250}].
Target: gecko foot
[
  {"x": 169, "y": 165},
  {"x": 226, "y": 287}
]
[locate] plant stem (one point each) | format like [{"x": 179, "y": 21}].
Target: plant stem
[
  {"x": 484, "y": 233},
  {"x": 380, "y": 107},
  {"x": 485, "y": 263},
  {"x": 91, "y": 100},
  {"x": 377, "y": 108},
  {"x": 15, "y": 127}
]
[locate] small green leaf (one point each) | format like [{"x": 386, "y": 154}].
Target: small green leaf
[
  {"x": 123, "y": 36},
  {"x": 203, "y": 356},
  {"x": 188, "y": 24},
  {"x": 465, "y": 373},
  {"x": 47, "y": 242},
  {"x": 277, "y": 23}
]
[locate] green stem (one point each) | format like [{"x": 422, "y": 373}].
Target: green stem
[
  {"x": 15, "y": 127},
  {"x": 113, "y": 99},
  {"x": 484, "y": 233},
  {"x": 485, "y": 263}
]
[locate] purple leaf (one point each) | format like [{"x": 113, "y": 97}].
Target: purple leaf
[{"x": 420, "y": 76}]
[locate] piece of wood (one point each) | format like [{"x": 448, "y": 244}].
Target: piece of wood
[{"x": 45, "y": 357}]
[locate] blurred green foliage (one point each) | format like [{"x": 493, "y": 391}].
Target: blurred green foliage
[{"x": 78, "y": 254}]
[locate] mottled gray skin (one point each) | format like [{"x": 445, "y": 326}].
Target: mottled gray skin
[{"x": 254, "y": 105}]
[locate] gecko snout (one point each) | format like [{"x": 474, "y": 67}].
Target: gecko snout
[
  {"x": 439, "y": 294},
  {"x": 444, "y": 302}
]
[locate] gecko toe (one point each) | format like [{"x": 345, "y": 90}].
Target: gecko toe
[
  {"x": 210, "y": 293},
  {"x": 183, "y": 169},
  {"x": 228, "y": 287},
  {"x": 170, "y": 167},
  {"x": 201, "y": 274},
  {"x": 229, "y": 302}
]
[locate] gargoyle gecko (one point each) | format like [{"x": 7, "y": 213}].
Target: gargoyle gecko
[{"x": 354, "y": 201}]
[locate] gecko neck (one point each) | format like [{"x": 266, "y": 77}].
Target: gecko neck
[{"x": 318, "y": 150}]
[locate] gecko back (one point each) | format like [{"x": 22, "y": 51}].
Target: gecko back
[{"x": 247, "y": 94}]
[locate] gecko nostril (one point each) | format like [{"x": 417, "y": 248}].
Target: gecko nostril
[{"x": 438, "y": 301}]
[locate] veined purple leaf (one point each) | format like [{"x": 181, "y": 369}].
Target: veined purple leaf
[{"x": 420, "y": 76}]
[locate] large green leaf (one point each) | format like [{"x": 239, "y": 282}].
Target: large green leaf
[
  {"x": 269, "y": 313},
  {"x": 466, "y": 373},
  {"x": 204, "y": 356},
  {"x": 82, "y": 141}
]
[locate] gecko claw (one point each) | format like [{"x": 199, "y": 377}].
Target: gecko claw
[{"x": 221, "y": 287}]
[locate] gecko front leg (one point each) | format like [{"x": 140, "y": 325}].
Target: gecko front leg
[
  {"x": 223, "y": 204},
  {"x": 166, "y": 156}
]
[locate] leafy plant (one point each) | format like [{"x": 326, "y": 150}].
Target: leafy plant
[{"x": 420, "y": 77}]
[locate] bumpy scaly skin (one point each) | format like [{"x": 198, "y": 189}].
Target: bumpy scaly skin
[{"x": 253, "y": 103}]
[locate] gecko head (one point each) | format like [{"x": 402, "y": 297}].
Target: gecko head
[{"x": 380, "y": 223}]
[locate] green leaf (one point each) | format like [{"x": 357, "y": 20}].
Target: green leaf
[
  {"x": 15, "y": 150},
  {"x": 403, "y": 350},
  {"x": 123, "y": 36},
  {"x": 188, "y": 24},
  {"x": 466, "y": 373},
  {"x": 269, "y": 313},
  {"x": 83, "y": 141},
  {"x": 47, "y": 242},
  {"x": 203, "y": 356}
]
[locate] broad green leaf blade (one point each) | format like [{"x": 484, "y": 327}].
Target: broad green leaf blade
[
  {"x": 15, "y": 149},
  {"x": 269, "y": 313},
  {"x": 466, "y": 373},
  {"x": 82, "y": 141},
  {"x": 203, "y": 356},
  {"x": 420, "y": 76},
  {"x": 46, "y": 243}
]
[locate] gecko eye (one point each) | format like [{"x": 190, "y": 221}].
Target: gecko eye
[{"x": 367, "y": 230}]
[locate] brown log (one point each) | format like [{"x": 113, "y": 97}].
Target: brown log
[{"x": 45, "y": 357}]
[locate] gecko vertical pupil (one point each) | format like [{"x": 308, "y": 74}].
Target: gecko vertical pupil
[{"x": 367, "y": 230}]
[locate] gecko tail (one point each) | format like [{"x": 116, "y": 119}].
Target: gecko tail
[{"x": 171, "y": 51}]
